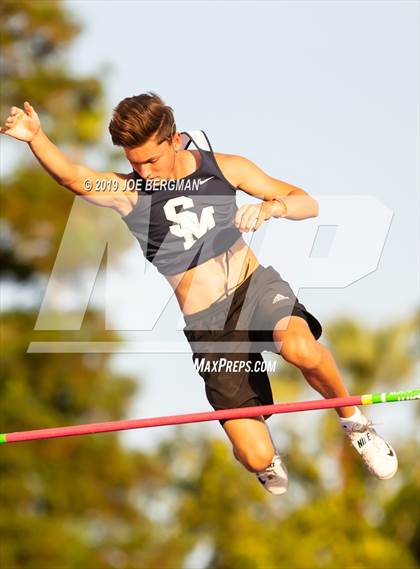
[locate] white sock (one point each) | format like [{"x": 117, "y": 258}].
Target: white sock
[
  {"x": 268, "y": 465},
  {"x": 357, "y": 417}
]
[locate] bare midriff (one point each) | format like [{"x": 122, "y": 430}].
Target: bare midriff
[{"x": 202, "y": 285}]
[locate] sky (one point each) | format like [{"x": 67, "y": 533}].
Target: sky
[{"x": 323, "y": 95}]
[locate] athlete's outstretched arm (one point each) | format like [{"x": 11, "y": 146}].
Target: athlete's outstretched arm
[
  {"x": 25, "y": 125},
  {"x": 280, "y": 198}
]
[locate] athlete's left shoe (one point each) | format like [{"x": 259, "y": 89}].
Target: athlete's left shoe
[
  {"x": 274, "y": 477},
  {"x": 379, "y": 457}
]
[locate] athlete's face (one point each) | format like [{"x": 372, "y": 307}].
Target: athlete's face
[{"x": 154, "y": 161}]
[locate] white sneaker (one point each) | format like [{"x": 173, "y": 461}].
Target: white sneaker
[
  {"x": 379, "y": 457},
  {"x": 274, "y": 477}
]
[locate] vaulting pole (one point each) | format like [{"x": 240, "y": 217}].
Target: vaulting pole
[{"x": 89, "y": 429}]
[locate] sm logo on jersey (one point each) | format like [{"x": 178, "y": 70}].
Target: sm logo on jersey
[{"x": 187, "y": 225}]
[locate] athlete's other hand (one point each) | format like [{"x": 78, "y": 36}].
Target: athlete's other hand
[
  {"x": 22, "y": 124},
  {"x": 250, "y": 217}
]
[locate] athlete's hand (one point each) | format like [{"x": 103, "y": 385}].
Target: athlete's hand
[
  {"x": 251, "y": 217},
  {"x": 22, "y": 124}
]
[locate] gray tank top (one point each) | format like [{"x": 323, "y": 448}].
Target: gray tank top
[{"x": 185, "y": 222}]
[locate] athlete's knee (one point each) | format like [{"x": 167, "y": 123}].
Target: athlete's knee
[
  {"x": 255, "y": 459},
  {"x": 300, "y": 350}
]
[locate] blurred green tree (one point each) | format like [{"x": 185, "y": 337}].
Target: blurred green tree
[
  {"x": 357, "y": 521},
  {"x": 34, "y": 43},
  {"x": 70, "y": 502},
  {"x": 225, "y": 515},
  {"x": 86, "y": 502},
  {"x": 74, "y": 502}
]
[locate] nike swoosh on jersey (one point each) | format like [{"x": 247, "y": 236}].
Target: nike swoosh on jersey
[{"x": 206, "y": 180}]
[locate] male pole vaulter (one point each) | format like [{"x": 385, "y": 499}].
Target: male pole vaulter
[{"x": 180, "y": 204}]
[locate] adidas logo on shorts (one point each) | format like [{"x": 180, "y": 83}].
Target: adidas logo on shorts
[{"x": 279, "y": 297}]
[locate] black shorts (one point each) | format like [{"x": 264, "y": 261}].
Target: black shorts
[{"x": 236, "y": 330}]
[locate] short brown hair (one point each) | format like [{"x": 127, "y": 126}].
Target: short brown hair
[{"x": 136, "y": 119}]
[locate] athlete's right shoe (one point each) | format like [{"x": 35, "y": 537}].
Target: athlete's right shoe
[
  {"x": 378, "y": 455},
  {"x": 274, "y": 477}
]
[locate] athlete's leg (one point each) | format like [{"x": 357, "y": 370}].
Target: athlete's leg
[
  {"x": 316, "y": 363},
  {"x": 252, "y": 443},
  {"x": 297, "y": 345}
]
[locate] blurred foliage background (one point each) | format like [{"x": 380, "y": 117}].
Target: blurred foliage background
[{"x": 89, "y": 502}]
